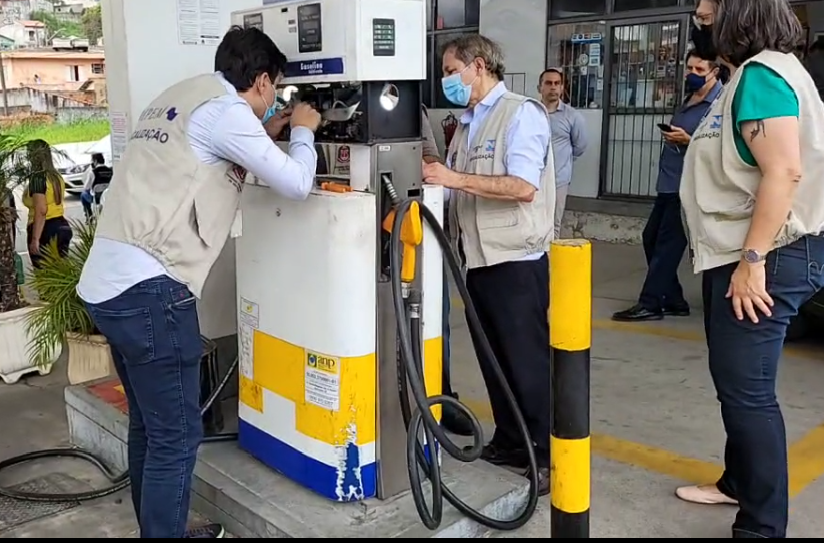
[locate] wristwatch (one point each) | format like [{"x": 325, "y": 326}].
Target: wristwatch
[{"x": 751, "y": 256}]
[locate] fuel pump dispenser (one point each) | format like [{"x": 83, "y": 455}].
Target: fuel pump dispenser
[
  {"x": 340, "y": 296},
  {"x": 319, "y": 385}
]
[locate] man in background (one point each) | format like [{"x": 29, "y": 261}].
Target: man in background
[
  {"x": 664, "y": 238},
  {"x": 569, "y": 141}
]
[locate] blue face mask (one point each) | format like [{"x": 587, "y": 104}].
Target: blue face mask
[
  {"x": 695, "y": 82},
  {"x": 271, "y": 111},
  {"x": 455, "y": 90}
]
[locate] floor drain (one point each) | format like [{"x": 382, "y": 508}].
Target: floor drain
[{"x": 14, "y": 513}]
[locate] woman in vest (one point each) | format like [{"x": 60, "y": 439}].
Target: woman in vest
[
  {"x": 44, "y": 199},
  {"x": 752, "y": 196}
]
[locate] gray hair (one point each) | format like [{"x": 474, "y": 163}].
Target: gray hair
[
  {"x": 468, "y": 47},
  {"x": 745, "y": 28}
]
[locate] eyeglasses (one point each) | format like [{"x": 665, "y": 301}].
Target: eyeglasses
[{"x": 701, "y": 19}]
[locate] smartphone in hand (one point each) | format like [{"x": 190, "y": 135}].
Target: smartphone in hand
[{"x": 664, "y": 127}]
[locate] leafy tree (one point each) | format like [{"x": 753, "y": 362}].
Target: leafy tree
[
  {"x": 57, "y": 28},
  {"x": 92, "y": 24}
]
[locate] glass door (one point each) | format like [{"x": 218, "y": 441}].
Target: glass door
[{"x": 645, "y": 85}]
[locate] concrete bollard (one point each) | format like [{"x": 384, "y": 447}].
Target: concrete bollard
[{"x": 570, "y": 329}]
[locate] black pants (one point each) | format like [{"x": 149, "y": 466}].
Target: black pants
[
  {"x": 54, "y": 229},
  {"x": 512, "y": 301},
  {"x": 664, "y": 245}
]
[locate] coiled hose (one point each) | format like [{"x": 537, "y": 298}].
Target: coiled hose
[
  {"x": 118, "y": 481},
  {"x": 419, "y": 459},
  {"x": 417, "y": 420}
]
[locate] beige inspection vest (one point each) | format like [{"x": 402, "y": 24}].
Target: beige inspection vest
[
  {"x": 163, "y": 199},
  {"x": 497, "y": 231},
  {"x": 718, "y": 188}
]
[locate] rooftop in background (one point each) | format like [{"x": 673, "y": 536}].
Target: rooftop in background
[
  {"x": 32, "y": 24},
  {"x": 49, "y": 53}
]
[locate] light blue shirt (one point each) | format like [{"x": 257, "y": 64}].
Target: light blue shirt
[
  {"x": 527, "y": 139},
  {"x": 569, "y": 141}
]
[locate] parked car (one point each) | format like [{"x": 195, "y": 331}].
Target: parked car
[{"x": 74, "y": 173}]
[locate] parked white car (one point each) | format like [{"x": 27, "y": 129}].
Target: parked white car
[{"x": 74, "y": 159}]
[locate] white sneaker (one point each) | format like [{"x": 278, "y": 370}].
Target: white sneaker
[{"x": 704, "y": 495}]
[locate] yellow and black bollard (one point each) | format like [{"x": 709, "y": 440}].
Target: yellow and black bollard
[{"x": 570, "y": 331}]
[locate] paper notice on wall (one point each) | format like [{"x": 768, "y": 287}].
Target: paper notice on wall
[
  {"x": 249, "y": 321},
  {"x": 322, "y": 381},
  {"x": 119, "y": 122},
  {"x": 198, "y": 22}
]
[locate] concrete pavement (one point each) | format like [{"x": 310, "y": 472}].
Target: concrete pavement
[{"x": 656, "y": 425}]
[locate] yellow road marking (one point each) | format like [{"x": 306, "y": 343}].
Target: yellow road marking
[
  {"x": 674, "y": 333},
  {"x": 805, "y": 459}
]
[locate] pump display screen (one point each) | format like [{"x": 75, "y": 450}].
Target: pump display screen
[{"x": 310, "y": 37}]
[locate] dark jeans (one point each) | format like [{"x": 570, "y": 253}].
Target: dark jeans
[
  {"x": 54, "y": 230},
  {"x": 743, "y": 359},
  {"x": 664, "y": 245},
  {"x": 154, "y": 335},
  {"x": 512, "y": 300}
]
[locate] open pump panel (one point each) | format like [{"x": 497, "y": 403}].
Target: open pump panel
[{"x": 361, "y": 64}]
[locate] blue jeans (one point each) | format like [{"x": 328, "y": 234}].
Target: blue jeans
[
  {"x": 447, "y": 381},
  {"x": 154, "y": 335},
  {"x": 743, "y": 360}
]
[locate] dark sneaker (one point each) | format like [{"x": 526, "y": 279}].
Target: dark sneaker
[{"x": 209, "y": 531}]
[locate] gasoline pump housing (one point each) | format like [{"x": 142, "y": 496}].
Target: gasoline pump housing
[{"x": 319, "y": 398}]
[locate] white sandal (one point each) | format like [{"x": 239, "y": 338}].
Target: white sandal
[{"x": 704, "y": 495}]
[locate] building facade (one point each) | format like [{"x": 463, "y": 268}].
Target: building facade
[{"x": 624, "y": 62}]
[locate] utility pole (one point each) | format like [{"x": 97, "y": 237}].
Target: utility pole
[{"x": 3, "y": 84}]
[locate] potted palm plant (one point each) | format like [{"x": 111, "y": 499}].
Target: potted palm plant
[
  {"x": 15, "y": 170},
  {"x": 61, "y": 316}
]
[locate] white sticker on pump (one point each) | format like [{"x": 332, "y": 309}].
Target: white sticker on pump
[
  {"x": 249, "y": 322},
  {"x": 322, "y": 381}
]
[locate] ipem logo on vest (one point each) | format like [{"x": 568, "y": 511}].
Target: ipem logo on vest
[
  {"x": 157, "y": 134},
  {"x": 710, "y": 130},
  {"x": 483, "y": 152}
]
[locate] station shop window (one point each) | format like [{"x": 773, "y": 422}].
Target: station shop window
[
  {"x": 446, "y": 20},
  {"x": 632, "y": 5},
  {"x": 456, "y": 13},
  {"x": 560, "y": 9},
  {"x": 578, "y": 50}
]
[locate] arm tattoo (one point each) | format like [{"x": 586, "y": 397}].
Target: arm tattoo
[{"x": 759, "y": 130}]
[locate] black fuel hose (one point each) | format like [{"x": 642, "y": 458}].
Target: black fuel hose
[
  {"x": 419, "y": 459},
  {"x": 117, "y": 481}
]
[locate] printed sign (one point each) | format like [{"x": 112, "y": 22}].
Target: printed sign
[{"x": 322, "y": 381}]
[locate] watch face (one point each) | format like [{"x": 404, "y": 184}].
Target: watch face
[{"x": 752, "y": 256}]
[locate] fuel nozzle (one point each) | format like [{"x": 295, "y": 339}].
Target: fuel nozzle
[
  {"x": 411, "y": 231},
  {"x": 390, "y": 189}
]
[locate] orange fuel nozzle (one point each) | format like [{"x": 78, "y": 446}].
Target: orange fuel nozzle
[{"x": 335, "y": 187}]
